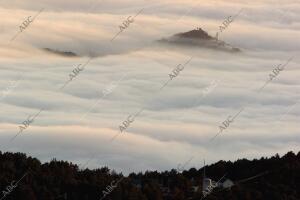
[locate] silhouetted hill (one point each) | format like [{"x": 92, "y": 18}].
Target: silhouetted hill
[
  {"x": 61, "y": 53},
  {"x": 272, "y": 178},
  {"x": 199, "y": 38},
  {"x": 196, "y": 34}
]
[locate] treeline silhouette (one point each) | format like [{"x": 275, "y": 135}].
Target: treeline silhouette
[{"x": 57, "y": 180}]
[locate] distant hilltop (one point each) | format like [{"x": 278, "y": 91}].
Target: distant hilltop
[
  {"x": 195, "y": 34},
  {"x": 61, "y": 53},
  {"x": 199, "y": 38}
]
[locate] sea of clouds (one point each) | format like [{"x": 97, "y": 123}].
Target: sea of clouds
[{"x": 177, "y": 122}]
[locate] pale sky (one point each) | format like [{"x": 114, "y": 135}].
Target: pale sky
[{"x": 177, "y": 122}]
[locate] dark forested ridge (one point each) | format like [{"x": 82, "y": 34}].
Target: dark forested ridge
[{"x": 26, "y": 178}]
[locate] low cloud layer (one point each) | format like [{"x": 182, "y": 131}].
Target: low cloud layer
[{"x": 78, "y": 121}]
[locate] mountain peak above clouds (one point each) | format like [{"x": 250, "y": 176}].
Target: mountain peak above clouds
[
  {"x": 199, "y": 38},
  {"x": 61, "y": 53},
  {"x": 195, "y": 34}
]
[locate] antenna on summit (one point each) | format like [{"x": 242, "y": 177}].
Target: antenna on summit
[
  {"x": 204, "y": 170},
  {"x": 204, "y": 177}
]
